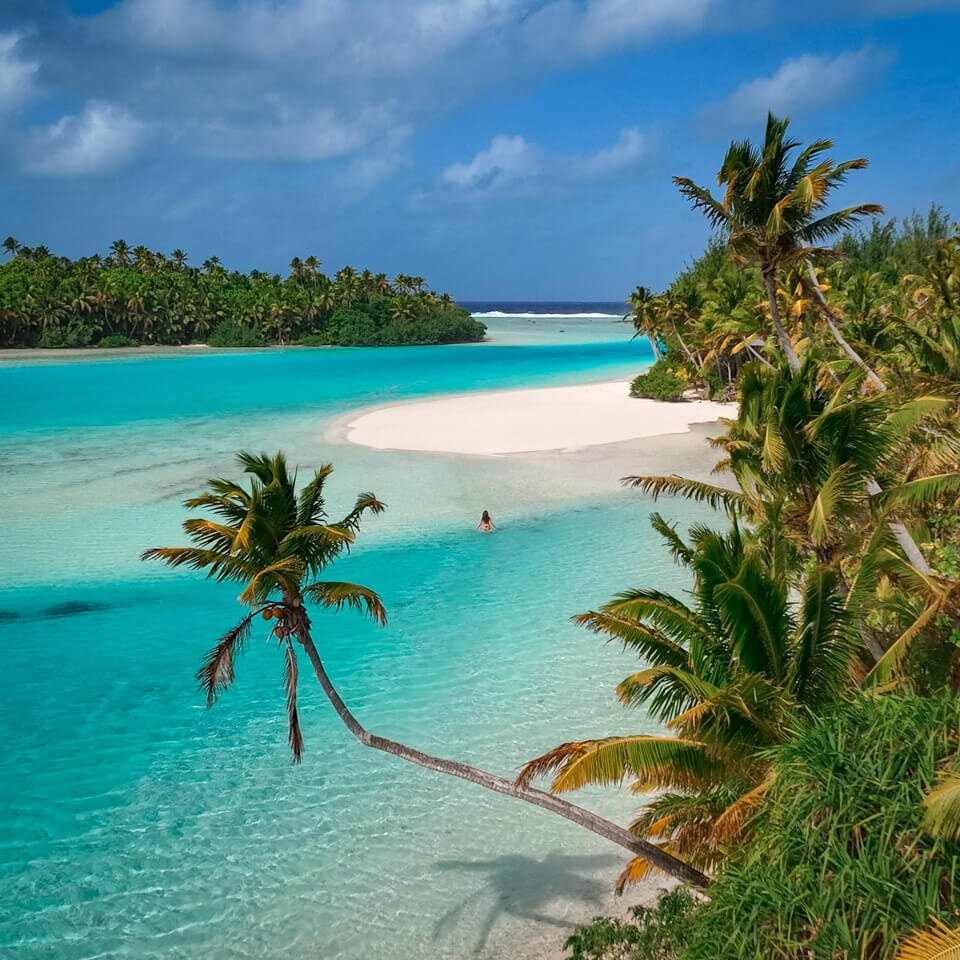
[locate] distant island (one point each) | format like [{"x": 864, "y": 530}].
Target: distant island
[{"x": 136, "y": 296}]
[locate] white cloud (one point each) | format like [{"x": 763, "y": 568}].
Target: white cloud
[
  {"x": 513, "y": 167},
  {"x": 303, "y": 81},
  {"x": 631, "y": 148},
  {"x": 609, "y": 24},
  {"x": 16, "y": 74},
  {"x": 99, "y": 140},
  {"x": 799, "y": 86},
  {"x": 505, "y": 163}
]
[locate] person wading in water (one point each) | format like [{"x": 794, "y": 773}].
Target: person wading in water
[{"x": 486, "y": 524}]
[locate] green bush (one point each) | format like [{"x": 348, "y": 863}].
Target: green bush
[
  {"x": 660, "y": 382},
  {"x": 372, "y": 324},
  {"x": 838, "y": 865},
  {"x": 229, "y": 333},
  {"x": 76, "y": 333},
  {"x": 352, "y": 327},
  {"x": 653, "y": 933},
  {"x": 118, "y": 340},
  {"x": 314, "y": 340}
]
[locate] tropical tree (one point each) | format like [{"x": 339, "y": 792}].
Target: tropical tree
[
  {"x": 727, "y": 675},
  {"x": 772, "y": 211},
  {"x": 644, "y": 310},
  {"x": 276, "y": 541}
]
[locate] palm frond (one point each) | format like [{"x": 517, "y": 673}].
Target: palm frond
[
  {"x": 216, "y": 674},
  {"x": 934, "y": 942},
  {"x": 294, "y": 737},
  {"x": 941, "y": 814},
  {"x": 657, "y": 762},
  {"x": 337, "y": 594},
  {"x": 651, "y": 644},
  {"x": 715, "y": 496}
]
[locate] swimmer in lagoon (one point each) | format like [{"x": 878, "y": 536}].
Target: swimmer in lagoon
[{"x": 486, "y": 524}]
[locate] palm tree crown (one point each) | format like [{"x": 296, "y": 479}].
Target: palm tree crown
[
  {"x": 772, "y": 210},
  {"x": 275, "y": 541}
]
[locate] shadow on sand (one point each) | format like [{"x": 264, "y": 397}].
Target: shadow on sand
[{"x": 524, "y": 887}]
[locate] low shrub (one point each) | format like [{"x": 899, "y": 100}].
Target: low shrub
[
  {"x": 651, "y": 933},
  {"x": 314, "y": 340},
  {"x": 660, "y": 382},
  {"x": 76, "y": 333},
  {"x": 118, "y": 340},
  {"x": 229, "y": 333}
]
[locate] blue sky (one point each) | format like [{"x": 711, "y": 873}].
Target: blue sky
[{"x": 500, "y": 148}]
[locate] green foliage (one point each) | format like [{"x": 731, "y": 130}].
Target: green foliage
[
  {"x": 352, "y": 327},
  {"x": 229, "y": 333},
  {"x": 660, "y": 382},
  {"x": 313, "y": 340},
  {"x": 838, "y": 865},
  {"x": 74, "y": 333},
  {"x": 148, "y": 297},
  {"x": 118, "y": 340},
  {"x": 895, "y": 248},
  {"x": 652, "y": 933},
  {"x": 378, "y": 324}
]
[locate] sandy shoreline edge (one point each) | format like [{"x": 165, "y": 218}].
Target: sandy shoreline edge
[{"x": 525, "y": 420}]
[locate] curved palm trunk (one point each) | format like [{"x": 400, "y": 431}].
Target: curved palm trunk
[
  {"x": 656, "y": 346},
  {"x": 683, "y": 345},
  {"x": 598, "y": 825},
  {"x": 756, "y": 355},
  {"x": 771, "y": 284},
  {"x": 899, "y": 531},
  {"x": 833, "y": 322}
]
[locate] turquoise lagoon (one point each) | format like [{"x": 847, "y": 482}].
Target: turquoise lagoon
[{"x": 135, "y": 823}]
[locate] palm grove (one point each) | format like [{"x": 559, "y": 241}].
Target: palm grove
[
  {"x": 808, "y": 774},
  {"x": 138, "y": 296}
]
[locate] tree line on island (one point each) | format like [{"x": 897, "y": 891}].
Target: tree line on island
[
  {"x": 137, "y": 296},
  {"x": 806, "y": 782}
]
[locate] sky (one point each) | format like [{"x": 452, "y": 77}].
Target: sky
[{"x": 517, "y": 149}]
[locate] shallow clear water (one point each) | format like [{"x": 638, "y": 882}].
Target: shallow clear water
[{"x": 134, "y": 823}]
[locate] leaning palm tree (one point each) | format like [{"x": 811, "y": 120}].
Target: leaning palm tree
[
  {"x": 643, "y": 315},
  {"x": 276, "y": 542},
  {"x": 772, "y": 209},
  {"x": 727, "y": 675}
]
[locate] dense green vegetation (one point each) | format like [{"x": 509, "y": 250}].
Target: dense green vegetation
[
  {"x": 136, "y": 296},
  {"x": 809, "y": 758},
  {"x": 838, "y": 863}
]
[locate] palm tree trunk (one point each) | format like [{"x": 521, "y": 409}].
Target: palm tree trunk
[
  {"x": 899, "y": 531},
  {"x": 656, "y": 346},
  {"x": 682, "y": 344},
  {"x": 754, "y": 353},
  {"x": 598, "y": 825},
  {"x": 833, "y": 322},
  {"x": 771, "y": 284}
]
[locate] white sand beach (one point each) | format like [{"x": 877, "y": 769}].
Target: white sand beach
[{"x": 520, "y": 421}]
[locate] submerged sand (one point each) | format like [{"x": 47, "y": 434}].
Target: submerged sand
[{"x": 529, "y": 420}]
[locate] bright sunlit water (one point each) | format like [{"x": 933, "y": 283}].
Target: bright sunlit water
[{"x": 135, "y": 823}]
